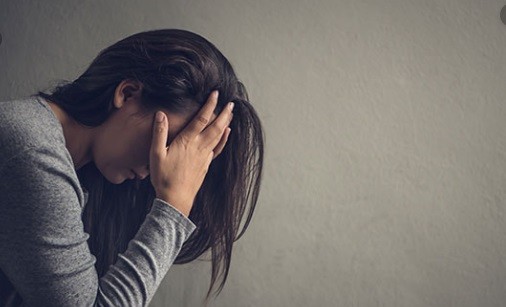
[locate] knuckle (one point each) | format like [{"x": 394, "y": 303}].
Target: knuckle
[
  {"x": 184, "y": 140},
  {"x": 216, "y": 129},
  {"x": 202, "y": 120},
  {"x": 159, "y": 129}
]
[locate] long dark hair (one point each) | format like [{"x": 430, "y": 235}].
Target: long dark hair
[{"x": 178, "y": 70}]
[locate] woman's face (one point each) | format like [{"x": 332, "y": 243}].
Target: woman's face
[{"x": 123, "y": 144}]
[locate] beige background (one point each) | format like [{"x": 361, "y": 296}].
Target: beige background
[{"x": 385, "y": 170}]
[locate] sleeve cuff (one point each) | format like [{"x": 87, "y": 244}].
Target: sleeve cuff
[{"x": 187, "y": 224}]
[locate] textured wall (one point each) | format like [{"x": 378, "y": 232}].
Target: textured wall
[{"x": 385, "y": 171}]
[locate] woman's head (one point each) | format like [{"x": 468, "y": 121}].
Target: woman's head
[
  {"x": 174, "y": 71},
  {"x": 121, "y": 144}
]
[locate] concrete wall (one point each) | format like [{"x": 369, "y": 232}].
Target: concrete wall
[{"x": 385, "y": 170}]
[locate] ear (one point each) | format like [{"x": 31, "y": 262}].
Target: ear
[{"x": 127, "y": 89}]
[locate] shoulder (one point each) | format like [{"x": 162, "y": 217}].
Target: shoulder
[
  {"x": 28, "y": 123},
  {"x": 33, "y": 150}
]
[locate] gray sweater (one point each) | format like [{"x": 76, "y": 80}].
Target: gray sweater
[{"x": 44, "y": 256}]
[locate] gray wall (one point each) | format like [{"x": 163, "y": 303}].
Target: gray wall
[{"x": 385, "y": 171}]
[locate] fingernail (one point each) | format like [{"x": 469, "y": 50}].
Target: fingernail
[
  {"x": 216, "y": 94},
  {"x": 231, "y": 106},
  {"x": 159, "y": 116}
]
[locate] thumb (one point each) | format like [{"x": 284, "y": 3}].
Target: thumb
[{"x": 160, "y": 133}]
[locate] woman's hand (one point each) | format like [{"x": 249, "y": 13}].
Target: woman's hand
[{"x": 178, "y": 171}]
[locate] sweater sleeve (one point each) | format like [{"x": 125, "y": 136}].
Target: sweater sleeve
[{"x": 43, "y": 246}]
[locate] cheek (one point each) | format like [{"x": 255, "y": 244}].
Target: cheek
[
  {"x": 122, "y": 151},
  {"x": 143, "y": 149},
  {"x": 110, "y": 153},
  {"x": 137, "y": 154}
]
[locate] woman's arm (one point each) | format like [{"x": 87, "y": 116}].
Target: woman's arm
[{"x": 43, "y": 246}]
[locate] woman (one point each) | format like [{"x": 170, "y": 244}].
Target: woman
[{"x": 99, "y": 199}]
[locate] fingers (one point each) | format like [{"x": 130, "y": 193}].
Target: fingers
[
  {"x": 218, "y": 149},
  {"x": 212, "y": 133},
  {"x": 160, "y": 133},
  {"x": 202, "y": 118}
]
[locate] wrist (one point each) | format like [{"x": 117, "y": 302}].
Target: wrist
[{"x": 181, "y": 206}]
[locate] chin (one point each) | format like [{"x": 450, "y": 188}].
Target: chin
[
  {"x": 113, "y": 177},
  {"x": 116, "y": 179}
]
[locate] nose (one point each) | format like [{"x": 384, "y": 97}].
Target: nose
[{"x": 143, "y": 173}]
